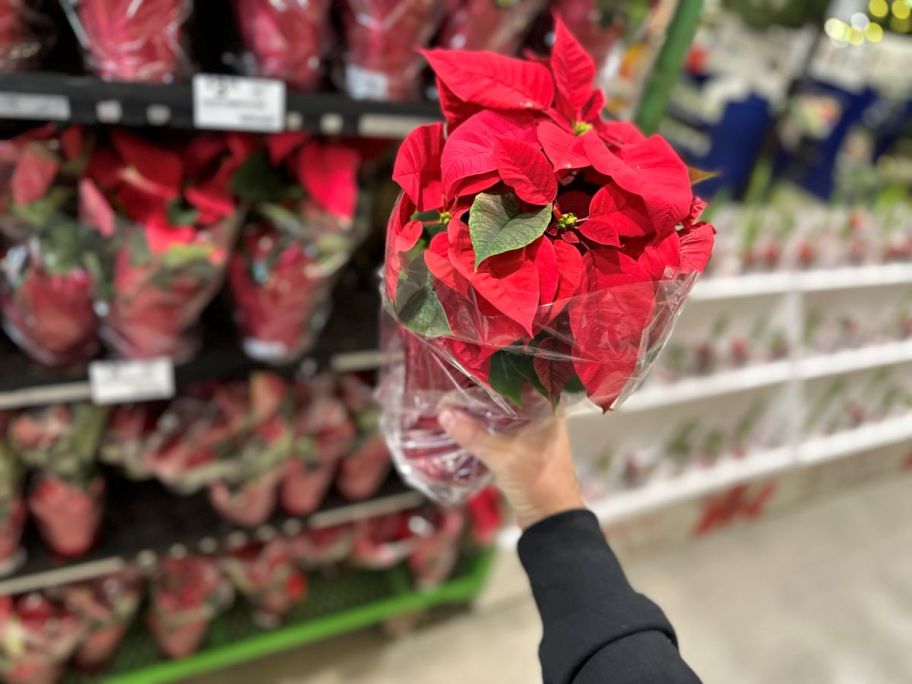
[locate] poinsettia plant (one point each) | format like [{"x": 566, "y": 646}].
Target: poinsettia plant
[
  {"x": 382, "y": 36},
  {"x": 48, "y": 280},
  {"x": 496, "y": 25},
  {"x": 169, "y": 220},
  {"x": 132, "y": 40},
  {"x": 365, "y": 468},
  {"x": 12, "y": 505},
  {"x": 67, "y": 495},
  {"x": 537, "y": 250},
  {"x": 299, "y": 233},
  {"x": 25, "y": 32},
  {"x": 285, "y": 39},
  {"x": 265, "y": 573}
]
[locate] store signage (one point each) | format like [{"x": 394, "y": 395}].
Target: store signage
[
  {"x": 114, "y": 382},
  {"x": 238, "y": 104}
]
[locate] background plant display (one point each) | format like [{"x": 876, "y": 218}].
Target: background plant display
[{"x": 536, "y": 251}]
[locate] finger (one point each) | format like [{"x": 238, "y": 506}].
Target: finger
[{"x": 470, "y": 435}]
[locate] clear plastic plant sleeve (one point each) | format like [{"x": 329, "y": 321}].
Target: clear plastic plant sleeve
[{"x": 449, "y": 348}]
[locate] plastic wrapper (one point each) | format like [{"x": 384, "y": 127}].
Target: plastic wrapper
[
  {"x": 438, "y": 533},
  {"x": 185, "y": 594},
  {"x": 67, "y": 494},
  {"x": 169, "y": 222},
  {"x": 323, "y": 434},
  {"x": 314, "y": 548},
  {"x": 25, "y": 33},
  {"x": 366, "y": 467},
  {"x": 37, "y": 637},
  {"x": 285, "y": 39},
  {"x": 107, "y": 606},
  {"x": 488, "y": 24},
  {"x": 382, "y": 38},
  {"x": 125, "y": 442},
  {"x": 533, "y": 258},
  {"x": 12, "y": 506},
  {"x": 299, "y": 233},
  {"x": 383, "y": 541},
  {"x": 253, "y": 454},
  {"x": 132, "y": 40},
  {"x": 46, "y": 286},
  {"x": 267, "y": 577}
]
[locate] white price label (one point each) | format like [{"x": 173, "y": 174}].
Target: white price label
[
  {"x": 114, "y": 382},
  {"x": 24, "y": 106},
  {"x": 364, "y": 84},
  {"x": 239, "y": 104}
]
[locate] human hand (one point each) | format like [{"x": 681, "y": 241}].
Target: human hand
[{"x": 532, "y": 466}]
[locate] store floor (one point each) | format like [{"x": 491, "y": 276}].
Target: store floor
[{"x": 819, "y": 594}]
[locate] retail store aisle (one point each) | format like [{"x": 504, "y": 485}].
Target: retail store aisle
[{"x": 818, "y": 594}]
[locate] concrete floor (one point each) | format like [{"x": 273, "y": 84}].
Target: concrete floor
[{"x": 819, "y": 594}]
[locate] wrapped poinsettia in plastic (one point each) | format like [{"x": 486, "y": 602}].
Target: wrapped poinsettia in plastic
[
  {"x": 185, "y": 594},
  {"x": 323, "y": 433},
  {"x": 438, "y": 533},
  {"x": 252, "y": 456},
  {"x": 321, "y": 547},
  {"x": 366, "y": 466},
  {"x": 37, "y": 637},
  {"x": 537, "y": 254},
  {"x": 67, "y": 493},
  {"x": 132, "y": 40},
  {"x": 285, "y": 39},
  {"x": 384, "y": 540},
  {"x": 25, "y": 33},
  {"x": 47, "y": 282},
  {"x": 169, "y": 221},
  {"x": 382, "y": 37},
  {"x": 484, "y": 513},
  {"x": 106, "y": 606},
  {"x": 265, "y": 573},
  {"x": 299, "y": 233},
  {"x": 496, "y": 25},
  {"x": 12, "y": 506},
  {"x": 125, "y": 442}
]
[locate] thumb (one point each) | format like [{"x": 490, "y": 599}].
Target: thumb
[{"x": 470, "y": 435}]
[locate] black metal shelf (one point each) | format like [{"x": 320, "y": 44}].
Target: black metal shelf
[
  {"x": 89, "y": 100},
  {"x": 144, "y": 520}
]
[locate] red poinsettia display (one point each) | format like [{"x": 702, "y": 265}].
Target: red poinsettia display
[
  {"x": 37, "y": 637},
  {"x": 67, "y": 493},
  {"x": 169, "y": 219},
  {"x": 323, "y": 434},
  {"x": 12, "y": 506},
  {"x": 268, "y": 578},
  {"x": 132, "y": 40},
  {"x": 46, "y": 285},
  {"x": 252, "y": 456},
  {"x": 320, "y": 547},
  {"x": 438, "y": 533},
  {"x": 365, "y": 468},
  {"x": 285, "y": 39},
  {"x": 382, "y": 36},
  {"x": 186, "y": 593},
  {"x": 384, "y": 541},
  {"x": 536, "y": 251},
  {"x": 25, "y": 32},
  {"x": 106, "y": 606},
  {"x": 496, "y": 25},
  {"x": 298, "y": 234}
]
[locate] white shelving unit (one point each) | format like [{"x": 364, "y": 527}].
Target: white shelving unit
[{"x": 791, "y": 374}]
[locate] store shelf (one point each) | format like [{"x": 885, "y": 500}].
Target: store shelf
[
  {"x": 349, "y": 600},
  {"x": 704, "y": 387},
  {"x": 143, "y": 520},
  {"x": 873, "y": 356},
  {"x": 769, "y": 284},
  {"x": 860, "y": 440},
  {"x": 89, "y": 100}
]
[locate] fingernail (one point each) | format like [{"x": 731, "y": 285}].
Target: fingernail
[{"x": 447, "y": 419}]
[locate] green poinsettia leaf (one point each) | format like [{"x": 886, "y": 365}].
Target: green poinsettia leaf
[
  {"x": 39, "y": 212},
  {"x": 182, "y": 214},
  {"x": 497, "y": 225},
  {"x": 181, "y": 256},
  {"x": 417, "y": 305},
  {"x": 510, "y": 372},
  {"x": 259, "y": 181}
]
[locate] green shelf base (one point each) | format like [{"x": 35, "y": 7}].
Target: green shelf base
[{"x": 347, "y": 601}]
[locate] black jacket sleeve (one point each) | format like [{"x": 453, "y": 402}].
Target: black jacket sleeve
[{"x": 596, "y": 628}]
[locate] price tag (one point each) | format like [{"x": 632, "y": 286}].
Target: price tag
[
  {"x": 238, "y": 104},
  {"x": 25, "y": 106},
  {"x": 114, "y": 382}
]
